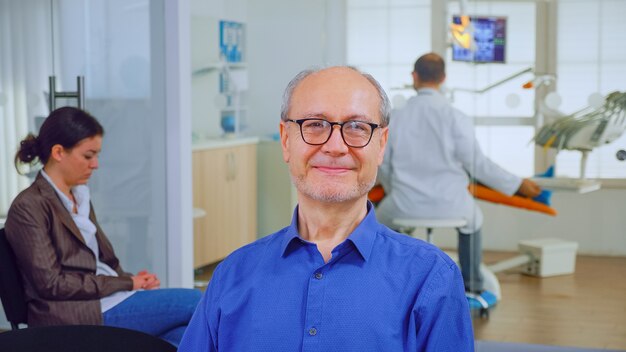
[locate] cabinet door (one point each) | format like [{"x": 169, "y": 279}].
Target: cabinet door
[
  {"x": 224, "y": 185},
  {"x": 206, "y": 175}
]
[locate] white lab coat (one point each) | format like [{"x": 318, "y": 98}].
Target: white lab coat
[{"x": 431, "y": 150}]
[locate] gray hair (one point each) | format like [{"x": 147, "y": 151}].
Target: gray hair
[{"x": 385, "y": 105}]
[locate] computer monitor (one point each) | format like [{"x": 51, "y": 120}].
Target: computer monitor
[{"x": 489, "y": 40}]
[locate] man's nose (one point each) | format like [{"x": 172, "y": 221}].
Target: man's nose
[{"x": 335, "y": 143}]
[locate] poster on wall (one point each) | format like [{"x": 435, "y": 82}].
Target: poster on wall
[{"x": 232, "y": 40}]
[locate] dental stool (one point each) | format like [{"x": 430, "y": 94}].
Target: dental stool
[{"x": 410, "y": 226}]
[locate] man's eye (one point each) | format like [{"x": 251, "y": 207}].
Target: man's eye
[
  {"x": 314, "y": 124},
  {"x": 357, "y": 126}
]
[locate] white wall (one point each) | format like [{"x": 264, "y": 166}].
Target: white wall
[
  {"x": 282, "y": 38},
  {"x": 285, "y": 37},
  {"x": 595, "y": 220},
  {"x": 234, "y": 10},
  {"x": 205, "y": 16}
]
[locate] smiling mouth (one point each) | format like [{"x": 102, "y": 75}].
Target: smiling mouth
[{"x": 332, "y": 170}]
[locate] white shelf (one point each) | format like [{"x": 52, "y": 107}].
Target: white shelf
[
  {"x": 568, "y": 184},
  {"x": 215, "y": 66}
]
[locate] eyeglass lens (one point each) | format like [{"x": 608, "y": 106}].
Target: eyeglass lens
[{"x": 355, "y": 133}]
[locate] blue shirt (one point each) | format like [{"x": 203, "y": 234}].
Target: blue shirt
[{"x": 381, "y": 291}]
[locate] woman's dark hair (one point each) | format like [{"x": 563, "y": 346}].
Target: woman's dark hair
[{"x": 65, "y": 126}]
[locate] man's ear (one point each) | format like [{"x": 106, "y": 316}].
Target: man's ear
[
  {"x": 415, "y": 79},
  {"x": 57, "y": 152},
  {"x": 284, "y": 140}
]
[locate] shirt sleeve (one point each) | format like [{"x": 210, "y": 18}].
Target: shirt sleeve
[
  {"x": 201, "y": 333},
  {"x": 442, "y": 315},
  {"x": 478, "y": 165}
]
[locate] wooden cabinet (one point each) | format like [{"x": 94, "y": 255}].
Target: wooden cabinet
[{"x": 224, "y": 185}]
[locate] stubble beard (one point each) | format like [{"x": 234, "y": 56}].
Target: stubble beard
[{"x": 334, "y": 193}]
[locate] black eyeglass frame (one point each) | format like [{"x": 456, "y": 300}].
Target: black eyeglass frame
[{"x": 374, "y": 126}]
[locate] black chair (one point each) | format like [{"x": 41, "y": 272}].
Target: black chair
[
  {"x": 70, "y": 338},
  {"x": 11, "y": 289}
]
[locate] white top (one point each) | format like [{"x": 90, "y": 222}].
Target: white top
[
  {"x": 431, "y": 151},
  {"x": 88, "y": 231}
]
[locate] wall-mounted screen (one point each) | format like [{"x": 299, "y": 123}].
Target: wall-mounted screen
[{"x": 489, "y": 40}]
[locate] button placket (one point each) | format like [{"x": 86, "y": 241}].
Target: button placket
[{"x": 314, "y": 306}]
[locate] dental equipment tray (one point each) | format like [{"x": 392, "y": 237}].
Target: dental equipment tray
[{"x": 570, "y": 184}]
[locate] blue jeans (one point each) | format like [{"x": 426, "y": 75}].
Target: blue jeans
[{"x": 164, "y": 313}]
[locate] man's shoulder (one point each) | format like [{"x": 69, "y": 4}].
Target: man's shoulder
[{"x": 416, "y": 249}]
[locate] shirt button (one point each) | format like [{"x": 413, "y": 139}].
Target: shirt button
[
  {"x": 319, "y": 276},
  {"x": 312, "y": 331}
]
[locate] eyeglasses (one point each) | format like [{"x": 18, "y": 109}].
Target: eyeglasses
[{"x": 356, "y": 134}]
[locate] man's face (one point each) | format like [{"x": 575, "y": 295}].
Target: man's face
[{"x": 333, "y": 172}]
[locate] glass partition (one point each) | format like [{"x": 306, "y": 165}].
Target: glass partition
[{"x": 110, "y": 43}]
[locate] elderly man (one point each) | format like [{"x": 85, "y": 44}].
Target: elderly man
[{"x": 335, "y": 279}]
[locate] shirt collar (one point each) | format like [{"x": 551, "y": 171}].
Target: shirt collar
[
  {"x": 428, "y": 91},
  {"x": 362, "y": 237},
  {"x": 291, "y": 235},
  {"x": 80, "y": 192}
]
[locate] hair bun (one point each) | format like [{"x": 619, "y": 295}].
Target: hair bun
[{"x": 29, "y": 149}]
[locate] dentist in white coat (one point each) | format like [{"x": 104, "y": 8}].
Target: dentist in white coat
[{"x": 431, "y": 154}]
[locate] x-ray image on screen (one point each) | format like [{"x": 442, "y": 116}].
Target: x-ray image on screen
[{"x": 489, "y": 41}]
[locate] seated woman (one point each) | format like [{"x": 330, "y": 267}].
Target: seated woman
[{"x": 70, "y": 272}]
